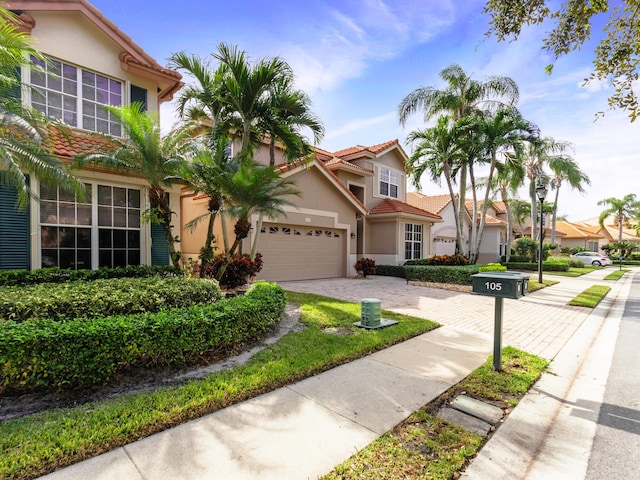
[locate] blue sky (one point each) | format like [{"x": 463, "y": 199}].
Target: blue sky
[{"x": 357, "y": 59}]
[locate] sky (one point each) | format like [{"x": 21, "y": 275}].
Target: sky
[{"x": 357, "y": 60}]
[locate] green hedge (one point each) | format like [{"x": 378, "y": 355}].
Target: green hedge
[
  {"x": 460, "y": 275},
  {"x": 47, "y": 355},
  {"x": 57, "y": 275},
  {"x": 101, "y": 298},
  {"x": 492, "y": 267},
  {"x": 390, "y": 270},
  {"x": 546, "y": 266}
]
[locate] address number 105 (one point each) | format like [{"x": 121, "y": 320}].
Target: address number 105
[{"x": 493, "y": 286}]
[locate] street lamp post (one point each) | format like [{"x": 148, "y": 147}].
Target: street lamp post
[{"x": 541, "y": 193}]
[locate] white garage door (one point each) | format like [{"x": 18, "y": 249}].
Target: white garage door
[{"x": 292, "y": 252}]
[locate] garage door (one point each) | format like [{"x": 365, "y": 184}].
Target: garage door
[{"x": 291, "y": 252}]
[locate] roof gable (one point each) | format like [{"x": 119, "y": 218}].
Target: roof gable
[{"x": 132, "y": 58}]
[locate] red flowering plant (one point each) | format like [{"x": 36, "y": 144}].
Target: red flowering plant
[
  {"x": 239, "y": 269},
  {"x": 365, "y": 266}
]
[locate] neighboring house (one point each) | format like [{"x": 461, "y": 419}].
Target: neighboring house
[
  {"x": 494, "y": 237},
  {"x": 353, "y": 205},
  {"x": 95, "y": 64},
  {"x": 572, "y": 235},
  {"x": 610, "y": 231}
]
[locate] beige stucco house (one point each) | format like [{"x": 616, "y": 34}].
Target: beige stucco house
[
  {"x": 572, "y": 235},
  {"x": 493, "y": 243},
  {"x": 353, "y": 205},
  {"x": 95, "y": 64}
]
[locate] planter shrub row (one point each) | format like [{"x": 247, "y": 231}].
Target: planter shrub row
[
  {"x": 546, "y": 266},
  {"x": 57, "y": 275},
  {"x": 48, "y": 355},
  {"x": 101, "y": 298},
  {"x": 460, "y": 275}
]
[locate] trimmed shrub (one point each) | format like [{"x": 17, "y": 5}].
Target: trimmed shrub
[
  {"x": 460, "y": 275},
  {"x": 365, "y": 267},
  {"x": 391, "y": 271},
  {"x": 492, "y": 267},
  {"x": 444, "y": 260},
  {"x": 533, "y": 267},
  {"x": 101, "y": 298},
  {"x": 57, "y": 275},
  {"x": 46, "y": 355}
]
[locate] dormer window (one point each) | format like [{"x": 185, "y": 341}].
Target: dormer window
[
  {"x": 389, "y": 181},
  {"x": 75, "y": 96}
]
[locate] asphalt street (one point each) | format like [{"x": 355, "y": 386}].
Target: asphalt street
[{"x": 616, "y": 448}]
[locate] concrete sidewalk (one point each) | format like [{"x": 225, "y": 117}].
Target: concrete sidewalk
[{"x": 303, "y": 430}]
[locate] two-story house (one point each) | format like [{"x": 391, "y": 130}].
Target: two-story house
[
  {"x": 91, "y": 64},
  {"x": 353, "y": 205}
]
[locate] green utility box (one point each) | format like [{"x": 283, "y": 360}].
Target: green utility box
[
  {"x": 371, "y": 312},
  {"x": 500, "y": 284}
]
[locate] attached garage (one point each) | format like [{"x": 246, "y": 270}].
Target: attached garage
[{"x": 292, "y": 252}]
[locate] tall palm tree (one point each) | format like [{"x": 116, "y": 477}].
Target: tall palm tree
[
  {"x": 437, "y": 151},
  {"x": 521, "y": 210},
  {"x": 24, "y": 131},
  {"x": 564, "y": 168},
  {"x": 497, "y": 135},
  {"x": 159, "y": 160},
  {"x": 623, "y": 210},
  {"x": 463, "y": 96},
  {"x": 288, "y": 115},
  {"x": 538, "y": 152}
]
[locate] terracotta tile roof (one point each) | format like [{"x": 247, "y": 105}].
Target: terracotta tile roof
[
  {"x": 571, "y": 230},
  {"x": 337, "y": 163},
  {"x": 389, "y": 205},
  {"x": 491, "y": 220},
  {"x": 374, "y": 149},
  {"x": 431, "y": 203},
  {"x": 67, "y": 143},
  {"x": 499, "y": 206},
  {"x": 547, "y": 232}
]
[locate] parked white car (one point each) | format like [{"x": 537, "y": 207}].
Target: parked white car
[{"x": 592, "y": 258}]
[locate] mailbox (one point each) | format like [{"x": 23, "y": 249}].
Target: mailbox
[{"x": 500, "y": 284}]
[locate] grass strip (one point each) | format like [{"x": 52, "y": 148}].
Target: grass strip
[
  {"x": 616, "y": 274},
  {"x": 38, "y": 444},
  {"x": 424, "y": 446},
  {"x": 591, "y": 297},
  {"x": 534, "y": 285}
]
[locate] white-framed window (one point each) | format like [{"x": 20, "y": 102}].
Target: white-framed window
[
  {"x": 412, "y": 241},
  {"x": 76, "y": 96},
  {"x": 389, "y": 180},
  {"x": 108, "y": 218}
]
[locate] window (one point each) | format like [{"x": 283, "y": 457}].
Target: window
[
  {"x": 109, "y": 217},
  {"x": 389, "y": 181},
  {"x": 76, "y": 96},
  {"x": 412, "y": 241}
]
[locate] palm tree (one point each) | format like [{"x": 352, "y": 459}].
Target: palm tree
[
  {"x": 496, "y": 135},
  {"x": 623, "y": 210},
  {"x": 438, "y": 152},
  {"x": 24, "y": 131},
  {"x": 536, "y": 155},
  {"x": 289, "y": 113},
  {"x": 207, "y": 173},
  {"x": 255, "y": 188},
  {"x": 565, "y": 168},
  {"x": 159, "y": 160},
  {"x": 521, "y": 210},
  {"x": 462, "y": 97}
]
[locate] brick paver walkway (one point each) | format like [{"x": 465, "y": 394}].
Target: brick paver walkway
[{"x": 540, "y": 323}]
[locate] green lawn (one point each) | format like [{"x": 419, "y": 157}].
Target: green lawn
[
  {"x": 36, "y": 444},
  {"x": 591, "y": 297}
]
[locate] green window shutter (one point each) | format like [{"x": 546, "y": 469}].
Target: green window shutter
[
  {"x": 14, "y": 90},
  {"x": 14, "y": 232},
  {"x": 139, "y": 95},
  {"x": 159, "y": 248}
]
